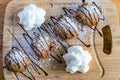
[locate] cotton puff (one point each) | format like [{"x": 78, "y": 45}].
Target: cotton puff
[
  {"x": 31, "y": 17},
  {"x": 77, "y": 59}
]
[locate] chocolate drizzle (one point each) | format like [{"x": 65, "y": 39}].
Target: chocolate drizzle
[
  {"x": 95, "y": 17},
  {"x": 59, "y": 61},
  {"x": 18, "y": 62},
  {"x": 90, "y": 19},
  {"x": 63, "y": 29},
  {"x": 34, "y": 65},
  {"x": 34, "y": 48},
  {"x": 68, "y": 11},
  {"x": 48, "y": 28},
  {"x": 99, "y": 10},
  {"x": 26, "y": 75},
  {"x": 16, "y": 76}
]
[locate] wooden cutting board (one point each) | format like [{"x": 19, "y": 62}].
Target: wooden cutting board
[{"x": 110, "y": 63}]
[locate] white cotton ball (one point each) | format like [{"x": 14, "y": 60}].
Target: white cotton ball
[
  {"x": 77, "y": 59},
  {"x": 31, "y": 17}
]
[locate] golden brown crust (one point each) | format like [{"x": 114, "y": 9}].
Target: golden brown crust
[
  {"x": 43, "y": 46},
  {"x": 16, "y": 65},
  {"x": 86, "y": 16},
  {"x": 66, "y": 29},
  {"x": 64, "y": 34}
]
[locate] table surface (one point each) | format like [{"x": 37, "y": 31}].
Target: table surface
[{"x": 3, "y": 4}]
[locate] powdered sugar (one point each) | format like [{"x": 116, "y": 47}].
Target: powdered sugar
[{"x": 16, "y": 56}]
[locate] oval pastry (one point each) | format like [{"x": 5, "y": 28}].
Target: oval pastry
[
  {"x": 42, "y": 45},
  {"x": 88, "y": 14},
  {"x": 65, "y": 28},
  {"x": 16, "y": 60}
]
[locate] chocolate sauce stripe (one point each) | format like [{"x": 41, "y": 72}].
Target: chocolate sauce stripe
[
  {"x": 43, "y": 38},
  {"x": 50, "y": 28},
  {"x": 16, "y": 76},
  {"x": 43, "y": 28},
  {"x": 99, "y": 10},
  {"x": 30, "y": 74},
  {"x": 93, "y": 11},
  {"x": 54, "y": 36},
  {"x": 42, "y": 42},
  {"x": 25, "y": 35},
  {"x": 25, "y": 66},
  {"x": 36, "y": 50},
  {"x": 35, "y": 68},
  {"x": 81, "y": 29},
  {"x": 26, "y": 75},
  {"x": 27, "y": 70},
  {"x": 66, "y": 11},
  {"x": 59, "y": 58},
  {"x": 72, "y": 11},
  {"x": 40, "y": 68},
  {"x": 97, "y": 7},
  {"x": 59, "y": 61},
  {"x": 11, "y": 64},
  {"x": 53, "y": 19},
  {"x": 97, "y": 15},
  {"x": 24, "y": 30},
  {"x": 46, "y": 27},
  {"x": 72, "y": 27},
  {"x": 91, "y": 20},
  {"x": 34, "y": 57},
  {"x": 47, "y": 32},
  {"x": 60, "y": 52},
  {"x": 16, "y": 61},
  {"x": 24, "y": 63},
  {"x": 36, "y": 34},
  {"x": 85, "y": 16},
  {"x": 61, "y": 30},
  {"x": 66, "y": 28}
]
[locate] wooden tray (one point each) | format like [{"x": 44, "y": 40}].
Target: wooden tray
[{"x": 110, "y": 62}]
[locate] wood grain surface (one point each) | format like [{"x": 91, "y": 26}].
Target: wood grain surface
[{"x": 3, "y": 4}]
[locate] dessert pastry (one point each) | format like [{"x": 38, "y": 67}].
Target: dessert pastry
[
  {"x": 89, "y": 14},
  {"x": 31, "y": 17},
  {"x": 65, "y": 28},
  {"x": 16, "y": 60},
  {"x": 42, "y": 44},
  {"x": 77, "y": 59}
]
